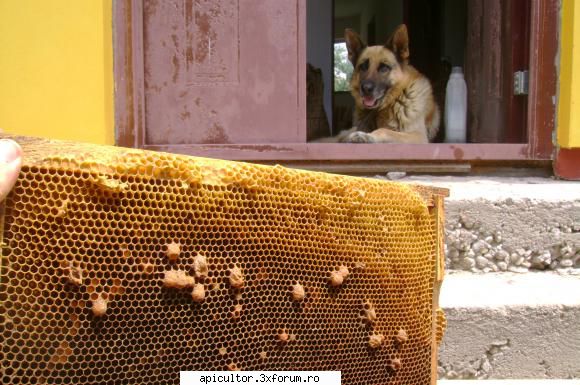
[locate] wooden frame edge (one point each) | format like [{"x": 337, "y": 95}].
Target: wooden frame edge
[{"x": 543, "y": 77}]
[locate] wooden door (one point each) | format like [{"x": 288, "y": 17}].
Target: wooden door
[
  {"x": 517, "y": 21},
  {"x": 483, "y": 71},
  {"x": 221, "y": 71}
]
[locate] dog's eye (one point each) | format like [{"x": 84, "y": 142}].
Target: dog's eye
[
  {"x": 364, "y": 66},
  {"x": 384, "y": 67}
]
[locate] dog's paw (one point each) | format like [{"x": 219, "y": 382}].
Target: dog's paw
[{"x": 359, "y": 137}]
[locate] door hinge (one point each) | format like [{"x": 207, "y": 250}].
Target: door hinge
[{"x": 521, "y": 82}]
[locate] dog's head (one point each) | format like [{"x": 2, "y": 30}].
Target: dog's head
[{"x": 377, "y": 68}]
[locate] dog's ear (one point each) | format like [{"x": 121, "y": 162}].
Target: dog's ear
[
  {"x": 399, "y": 43},
  {"x": 354, "y": 45}
]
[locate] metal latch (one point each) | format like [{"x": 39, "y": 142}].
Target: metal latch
[{"x": 521, "y": 82}]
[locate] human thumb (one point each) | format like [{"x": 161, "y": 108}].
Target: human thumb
[{"x": 10, "y": 163}]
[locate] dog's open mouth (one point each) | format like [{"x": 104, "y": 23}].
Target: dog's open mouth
[{"x": 371, "y": 102}]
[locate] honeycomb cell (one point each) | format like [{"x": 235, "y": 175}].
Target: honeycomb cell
[
  {"x": 62, "y": 211},
  {"x": 178, "y": 279},
  {"x": 236, "y": 312},
  {"x": 401, "y": 336},
  {"x": 74, "y": 274},
  {"x": 99, "y": 306},
  {"x": 336, "y": 278},
  {"x": 200, "y": 266},
  {"x": 90, "y": 296},
  {"x": 146, "y": 267},
  {"x": 343, "y": 270},
  {"x": 198, "y": 293},
  {"x": 360, "y": 266},
  {"x": 369, "y": 315},
  {"x": 283, "y": 336},
  {"x": 237, "y": 280},
  {"x": 173, "y": 250},
  {"x": 376, "y": 340},
  {"x": 233, "y": 367},
  {"x": 109, "y": 185},
  {"x": 395, "y": 364},
  {"x": 297, "y": 292},
  {"x": 441, "y": 325}
]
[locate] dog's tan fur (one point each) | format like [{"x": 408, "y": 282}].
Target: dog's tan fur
[{"x": 404, "y": 109}]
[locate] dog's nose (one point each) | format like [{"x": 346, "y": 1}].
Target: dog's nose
[{"x": 367, "y": 87}]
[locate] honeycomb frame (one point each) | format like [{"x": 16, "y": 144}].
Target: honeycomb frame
[{"x": 85, "y": 239}]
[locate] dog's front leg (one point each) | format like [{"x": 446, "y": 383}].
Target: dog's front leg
[
  {"x": 343, "y": 136},
  {"x": 358, "y": 137},
  {"x": 334, "y": 139},
  {"x": 385, "y": 135}
]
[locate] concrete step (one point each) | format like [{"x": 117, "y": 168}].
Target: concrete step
[
  {"x": 509, "y": 325},
  {"x": 509, "y": 382},
  {"x": 510, "y": 224}
]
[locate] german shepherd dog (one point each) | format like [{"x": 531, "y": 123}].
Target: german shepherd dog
[{"x": 394, "y": 102}]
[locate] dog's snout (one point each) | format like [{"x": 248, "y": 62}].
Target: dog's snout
[{"x": 367, "y": 87}]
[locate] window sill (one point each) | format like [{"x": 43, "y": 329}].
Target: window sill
[{"x": 350, "y": 152}]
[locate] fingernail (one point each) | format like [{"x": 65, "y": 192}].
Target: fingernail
[{"x": 9, "y": 151}]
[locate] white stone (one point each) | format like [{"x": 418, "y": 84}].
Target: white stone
[
  {"x": 453, "y": 254},
  {"x": 467, "y": 222},
  {"x": 566, "y": 263},
  {"x": 396, "y": 175},
  {"x": 481, "y": 262},
  {"x": 477, "y": 247},
  {"x": 488, "y": 256},
  {"x": 514, "y": 258},
  {"x": 502, "y": 255},
  {"x": 486, "y": 366},
  {"x": 467, "y": 264}
]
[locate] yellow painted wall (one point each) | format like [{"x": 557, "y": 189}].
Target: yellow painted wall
[
  {"x": 56, "y": 69},
  {"x": 569, "y": 98}
]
